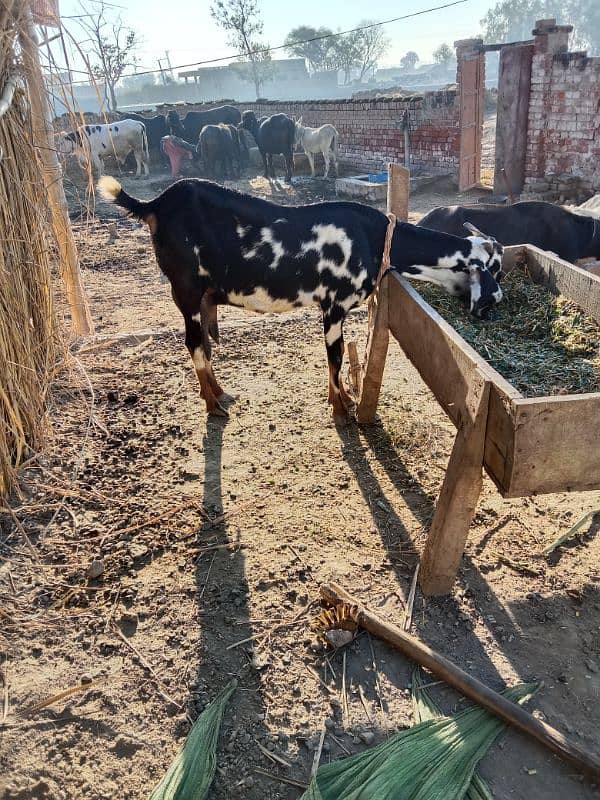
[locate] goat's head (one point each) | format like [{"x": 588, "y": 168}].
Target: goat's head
[
  {"x": 67, "y": 143},
  {"x": 298, "y": 131},
  {"x": 485, "y": 269},
  {"x": 249, "y": 122},
  {"x": 174, "y": 124}
]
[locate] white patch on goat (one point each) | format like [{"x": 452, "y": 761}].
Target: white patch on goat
[
  {"x": 447, "y": 262},
  {"x": 330, "y": 235},
  {"x": 334, "y": 333},
  {"x": 198, "y": 357},
  {"x": 266, "y": 237},
  {"x": 475, "y": 293},
  {"x": 204, "y": 273},
  {"x": 260, "y": 300},
  {"x": 241, "y": 231},
  {"x": 454, "y": 283}
]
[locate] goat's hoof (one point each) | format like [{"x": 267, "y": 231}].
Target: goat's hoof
[
  {"x": 341, "y": 420},
  {"x": 218, "y": 411}
]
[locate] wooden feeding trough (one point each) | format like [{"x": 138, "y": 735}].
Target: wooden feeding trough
[{"x": 526, "y": 445}]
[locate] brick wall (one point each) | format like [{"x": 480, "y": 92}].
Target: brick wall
[
  {"x": 371, "y": 131},
  {"x": 563, "y": 149}
]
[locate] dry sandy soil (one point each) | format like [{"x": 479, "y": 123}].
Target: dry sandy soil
[{"x": 214, "y": 537}]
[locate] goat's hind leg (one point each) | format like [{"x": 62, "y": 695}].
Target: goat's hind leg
[{"x": 198, "y": 344}]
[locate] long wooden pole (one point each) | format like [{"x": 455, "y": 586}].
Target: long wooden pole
[
  {"x": 466, "y": 684},
  {"x": 43, "y": 136}
]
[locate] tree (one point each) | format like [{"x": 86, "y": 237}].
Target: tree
[
  {"x": 344, "y": 54},
  {"x": 314, "y": 52},
  {"x": 241, "y": 19},
  {"x": 111, "y": 47},
  {"x": 513, "y": 20},
  {"x": 371, "y": 44},
  {"x": 409, "y": 61},
  {"x": 443, "y": 54}
]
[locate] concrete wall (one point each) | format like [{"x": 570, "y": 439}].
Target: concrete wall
[
  {"x": 371, "y": 131},
  {"x": 563, "y": 150}
]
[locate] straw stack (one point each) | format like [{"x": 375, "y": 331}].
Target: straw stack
[{"x": 28, "y": 329}]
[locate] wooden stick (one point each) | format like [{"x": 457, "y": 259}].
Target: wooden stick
[{"x": 466, "y": 684}]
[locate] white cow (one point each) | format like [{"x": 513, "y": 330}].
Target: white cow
[
  {"x": 318, "y": 140},
  {"x": 93, "y": 142}
]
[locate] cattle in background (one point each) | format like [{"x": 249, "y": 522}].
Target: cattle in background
[
  {"x": 91, "y": 143},
  {"x": 544, "y": 225},
  {"x": 275, "y": 135},
  {"x": 216, "y": 144},
  {"x": 156, "y": 128},
  {"x": 190, "y": 126},
  {"x": 318, "y": 140},
  {"x": 218, "y": 246}
]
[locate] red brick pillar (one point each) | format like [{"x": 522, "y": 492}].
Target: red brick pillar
[
  {"x": 470, "y": 77},
  {"x": 549, "y": 40}
]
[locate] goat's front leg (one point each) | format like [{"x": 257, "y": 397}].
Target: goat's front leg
[
  {"x": 311, "y": 161},
  {"x": 333, "y": 321},
  {"x": 198, "y": 344}
]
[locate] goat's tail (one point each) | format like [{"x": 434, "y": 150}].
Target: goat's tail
[{"x": 111, "y": 190}]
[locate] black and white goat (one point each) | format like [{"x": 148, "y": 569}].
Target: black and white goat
[{"x": 218, "y": 246}]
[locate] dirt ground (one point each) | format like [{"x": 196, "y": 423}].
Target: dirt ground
[{"x": 213, "y": 537}]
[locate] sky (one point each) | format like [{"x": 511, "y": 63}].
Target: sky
[{"x": 186, "y": 29}]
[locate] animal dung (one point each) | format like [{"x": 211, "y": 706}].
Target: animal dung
[{"x": 543, "y": 344}]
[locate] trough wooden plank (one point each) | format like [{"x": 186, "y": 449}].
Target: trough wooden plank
[
  {"x": 556, "y": 445},
  {"x": 459, "y": 494},
  {"x": 447, "y": 364},
  {"x": 561, "y": 277}
]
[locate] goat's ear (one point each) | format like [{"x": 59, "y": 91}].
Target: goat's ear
[{"x": 475, "y": 231}]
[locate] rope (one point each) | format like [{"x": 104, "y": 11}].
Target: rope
[{"x": 387, "y": 246}]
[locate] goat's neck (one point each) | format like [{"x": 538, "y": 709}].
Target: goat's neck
[{"x": 412, "y": 246}]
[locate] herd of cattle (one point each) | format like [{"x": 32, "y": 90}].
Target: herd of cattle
[{"x": 216, "y": 137}]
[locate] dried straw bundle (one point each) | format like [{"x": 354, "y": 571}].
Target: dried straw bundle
[{"x": 28, "y": 328}]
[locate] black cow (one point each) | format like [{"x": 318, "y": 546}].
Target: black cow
[
  {"x": 190, "y": 126},
  {"x": 218, "y": 246},
  {"x": 544, "y": 225},
  {"x": 156, "y": 128},
  {"x": 274, "y": 135},
  {"x": 216, "y": 143}
]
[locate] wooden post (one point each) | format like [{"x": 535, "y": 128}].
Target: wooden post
[
  {"x": 379, "y": 335},
  {"x": 43, "y": 136},
  {"x": 459, "y": 495}
]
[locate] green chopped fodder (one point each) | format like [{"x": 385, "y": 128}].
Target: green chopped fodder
[
  {"x": 424, "y": 708},
  {"x": 434, "y": 760},
  {"x": 190, "y": 775},
  {"x": 541, "y": 343}
]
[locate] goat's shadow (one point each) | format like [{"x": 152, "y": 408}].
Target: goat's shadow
[{"x": 224, "y": 622}]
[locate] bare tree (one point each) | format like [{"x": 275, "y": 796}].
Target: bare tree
[
  {"x": 112, "y": 45},
  {"x": 241, "y": 19},
  {"x": 371, "y": 45}
]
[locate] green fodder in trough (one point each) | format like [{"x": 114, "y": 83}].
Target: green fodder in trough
[{"x": 541, "y": 343}]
